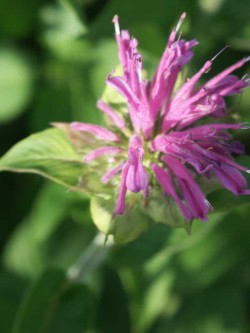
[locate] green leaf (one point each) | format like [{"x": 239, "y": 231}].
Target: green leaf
[
  {"x": 75, "y": 312},
  {"x": 27, "y": 249},
  {"x": 49, "y": 154},
  {"x": 124, "y": 228},
  {"x": 77, "y": 11},
  {"x": 224, "y": 201},
  {"x": 134, "y": 17},
  {"x": 64, "y": 27},
  {"x": 41, "y": 298},
  {"x": 101, "y": 211},
  {"x": 21, "y": 19},
  {"x": 16, "y": 83},
  {"x": 217, "y": 315},
  {"x": 11, "y": 290},
  {"x": 130, "y": 225},
  {"x": 52, "y": 304},
  {"x": 136, "y": 218},
  {"x": 141, "y": 249},
  {"x": 167, "y": 212},
  {"x": 113, "y": 311}
]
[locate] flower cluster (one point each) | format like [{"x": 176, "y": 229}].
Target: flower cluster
[{"x": 161, "y": 139}]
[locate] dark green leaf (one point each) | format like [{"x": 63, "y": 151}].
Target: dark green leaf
[
  {"x": 223, "y": 310},
  {"x": 40, "y": 302},
  {"x": 11, "y": 291},
  {"x": 54, "y": 305},
  {"x": 75, "y": 311},
  {"x": 113, "y": 312},
  {"x": 141, "y": 249},
  {"x": 21, "y": 18}
]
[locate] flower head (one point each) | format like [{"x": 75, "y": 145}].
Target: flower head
[{"x": 160, "y": 141}]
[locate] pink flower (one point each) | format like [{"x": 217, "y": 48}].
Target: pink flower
[{"x": 160, "y": 137}]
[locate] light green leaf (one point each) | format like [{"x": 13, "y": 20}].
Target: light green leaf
[
  {"x": 136, "y": 218},
  {"x": 124, "y": 228},
  {"x": 130, "y": 225},
  {"x": 64, "y": 28},
  {"x": 49, "y": 154},
  {"x": 101, "y": 212},
  {"x": 26, "y": 252},
  {"x": 16, "y": 83},
  {"x": 167, "y": 212},
  {"x": 77, "y": 11}
]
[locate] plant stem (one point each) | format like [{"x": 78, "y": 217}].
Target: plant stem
[{"x": 91, "y": 258}]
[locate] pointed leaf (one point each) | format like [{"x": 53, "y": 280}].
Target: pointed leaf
[
  {"x": 40, "y": 299},
  {"x": 49, "y": 154},
  {"x": 52, "y": 304}
]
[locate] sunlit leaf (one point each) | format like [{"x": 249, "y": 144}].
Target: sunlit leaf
[
  {"x": 49, "y": 154},
  {"x": 124, "y": 227},
  {"x": 101, "y": 212}
]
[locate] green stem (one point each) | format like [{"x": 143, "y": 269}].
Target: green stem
[{"x": 92, "y": 257}]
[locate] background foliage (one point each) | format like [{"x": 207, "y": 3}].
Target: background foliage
[{"x": 55, "y": 273}]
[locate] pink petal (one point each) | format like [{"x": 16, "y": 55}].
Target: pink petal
[
  {"x": 98, "y": 131},
  {"x": 117, "y": 120},
  {"x": 137, "y": 177},
  {"x": 218, "y": 78},
  {"x": 120, "y": 203},
  {"x": 122, "y": 86},
  {"x": 165, "y": 181},
  {"x": 100, "y": 152},
  {"x": 231, "y": 179},
  {"x": 112, "y": 173},
  {"x": 191, "y": 192}
]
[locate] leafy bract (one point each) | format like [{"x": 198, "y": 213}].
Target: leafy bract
[
  {"x": 136, "y": 219},
  {"x": 126, "y": 227}
]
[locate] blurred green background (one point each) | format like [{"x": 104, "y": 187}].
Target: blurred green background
[{"x": 55, "y": 274}]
